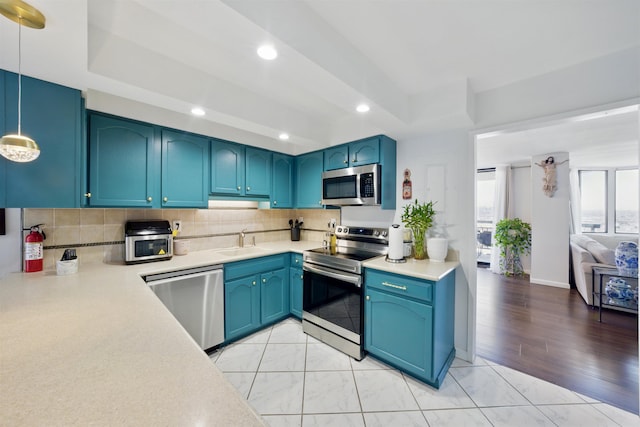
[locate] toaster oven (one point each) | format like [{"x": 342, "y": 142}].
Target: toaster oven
[{"x": 147, "y": 241}]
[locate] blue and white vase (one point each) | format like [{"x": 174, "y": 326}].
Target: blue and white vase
[{"x": 627, "y": 259}]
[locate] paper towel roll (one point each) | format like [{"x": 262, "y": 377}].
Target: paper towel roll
[{"x": 396, "y": 242}]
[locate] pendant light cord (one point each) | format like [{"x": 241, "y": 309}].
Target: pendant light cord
[{"x": 19, "y": 73}]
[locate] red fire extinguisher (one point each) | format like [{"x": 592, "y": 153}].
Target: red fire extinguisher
[{"x": 33, "y": 249}]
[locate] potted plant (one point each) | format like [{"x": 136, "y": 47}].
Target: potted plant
[
  {"x": 513, "y": 237},
  {"x": 418, "y": 217}
]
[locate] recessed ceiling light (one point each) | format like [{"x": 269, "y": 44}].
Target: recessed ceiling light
[
  {"x": 362, "y": 108},
  {"x": 284, "y": 136},
  {"x": 197, "y": 111},
  {"x": 268, "y": 52}
]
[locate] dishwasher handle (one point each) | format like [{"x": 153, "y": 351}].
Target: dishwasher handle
[{"x": 173, "y": 276}]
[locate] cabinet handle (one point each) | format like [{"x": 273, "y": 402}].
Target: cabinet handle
[
  {"x": 253, "y": 283},
  {"x": 297, "y": 261},
  {"x": 165, "y": 199},
  {"x": 248, "y": 188},
  {"x": 275, "y": 202},
  {"x": 391, "y": 285},
  {"x": 87, "y": 195},
  {"x": 238, "y": 188},
  {"x": 346, "y": 162},
  {"x": 319, "y": 202},
  {"x": 149, "y": 199},
  {"x": 264, "y": 280},
  {"x": 301, "y": 276},
  {"x": 355, "y": 159},
  {"x": 367, "y": 298}
]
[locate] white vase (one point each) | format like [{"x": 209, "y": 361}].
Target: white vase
[{"x": 437, "y": 248}]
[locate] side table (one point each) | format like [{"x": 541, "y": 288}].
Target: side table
[{"x": 600, "y": 272}]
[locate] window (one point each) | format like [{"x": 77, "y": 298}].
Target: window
[
  {"x": 593, "y": 201},
  {"x": 626, "y": 215},
  {"x": 609, "y": 200},
  {"x": 485, "y": 190}
]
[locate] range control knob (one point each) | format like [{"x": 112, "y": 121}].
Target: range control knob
[
  {"x": 376, "y": 233},
  {"x": 345, "y": 230},
  {"x": 384, "y": 233}
]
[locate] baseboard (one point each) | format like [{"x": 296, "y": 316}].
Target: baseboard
[{"x": 549, "y": 283}]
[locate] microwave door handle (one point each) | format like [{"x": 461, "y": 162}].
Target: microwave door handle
[{"x": 354, "y": 280}]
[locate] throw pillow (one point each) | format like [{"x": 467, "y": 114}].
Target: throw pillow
[
  {"x": 601, "y": 253},
  {"x": 581, "y": 240}
]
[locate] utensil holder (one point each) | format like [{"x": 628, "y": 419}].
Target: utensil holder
[
  {"x": 64, "y": 268},
  {"x": 295, "y": 234}
]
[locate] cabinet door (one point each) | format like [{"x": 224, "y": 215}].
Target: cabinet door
[
  {"x": 309, "y": 180},
  {"x": 336, "y": 158},
  {"x": 124, "y": 163},
  {"x": 364, "y": 152},
  {"x": 295, "y": 291},
  {"x": 399, "y": 331},
  {"x": 227, "y": 167},
  {"x": 242, "y": 306},
  {"x": 282, "y": 186},
  {"x": 185, "y": 170},
  {"x": 51, "y": 116},
  {"x": 258, "y": 172},
  {"x": 274, "y": 295}
]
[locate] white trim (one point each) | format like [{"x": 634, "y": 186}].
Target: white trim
[{"x": 549, "y": 283}]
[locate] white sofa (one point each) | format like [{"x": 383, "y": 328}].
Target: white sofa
[{"x": 588, "y": 251}]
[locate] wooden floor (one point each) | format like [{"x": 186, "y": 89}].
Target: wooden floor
[{"x": 552, "y": 334}]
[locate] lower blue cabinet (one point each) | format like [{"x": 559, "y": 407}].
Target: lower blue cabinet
[
  {"x": 295, "y": 285},
  {"x": 256, "y": 293},
  {"x": 409, "y": 323}
]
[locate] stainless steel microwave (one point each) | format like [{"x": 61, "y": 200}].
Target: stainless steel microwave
[{"x": 357, "y": 186}]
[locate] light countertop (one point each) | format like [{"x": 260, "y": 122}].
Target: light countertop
[{"x": 97, "y": 347}]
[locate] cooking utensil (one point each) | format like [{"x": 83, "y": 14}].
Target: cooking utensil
[{"x": 290, "y": 223}]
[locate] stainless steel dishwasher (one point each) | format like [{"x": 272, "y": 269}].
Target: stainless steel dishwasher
[{"x": 195, "y": 297}]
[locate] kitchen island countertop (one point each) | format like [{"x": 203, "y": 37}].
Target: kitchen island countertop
[{"x": 97, "y": 347}]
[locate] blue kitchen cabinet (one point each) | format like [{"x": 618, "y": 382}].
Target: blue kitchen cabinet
[
  {"x": 227, "y": 167},
  {"x": 258, "y": 172},
  {"x": 242, "y": 306},
  {"x": 409, "y": 323},
  {"x": 309, "y": 180},
  {"x": 256, "y": 294},
  {"x": 336, "y": 157},
  {"x": 124, "y": 163},
  {"x": 295, "y": 285},
  {"x": 238, "y": 170},
  {"x": 282, "y": 182},
  {"x": 185, "y": 170},
  {"x": 52, "y": 116},
  {"x": 357, "y": 153},
  {"x": 274, "y": 295}
]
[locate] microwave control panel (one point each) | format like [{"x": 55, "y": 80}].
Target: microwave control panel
[{"x": 367, "y": 185}]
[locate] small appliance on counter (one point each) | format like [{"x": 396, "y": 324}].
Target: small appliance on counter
[{"x": 147, "y": 241}]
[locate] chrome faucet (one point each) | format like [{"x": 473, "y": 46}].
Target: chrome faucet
[{"x": 241, "y": 238}]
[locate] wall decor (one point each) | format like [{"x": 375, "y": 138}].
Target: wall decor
[
  {"x": 549, "y": 180},
  {"x": 406, "y": 185}
]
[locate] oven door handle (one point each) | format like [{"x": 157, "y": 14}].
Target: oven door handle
[{"x": 354, "y": 280}]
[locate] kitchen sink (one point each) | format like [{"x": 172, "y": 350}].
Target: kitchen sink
[{"x": 248, "y": 250}]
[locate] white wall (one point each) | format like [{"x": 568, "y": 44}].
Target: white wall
[
  {"x": 10, "y": 256},
  {"x": 521, "y": 203},
  {"x": 550, "y": 224}
]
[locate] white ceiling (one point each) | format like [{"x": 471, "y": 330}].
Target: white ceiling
[{"x": 402, "y": 57}]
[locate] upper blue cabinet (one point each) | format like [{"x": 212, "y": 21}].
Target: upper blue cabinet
[
  {"x": 52, "y": 115},
  {"x": 282, "y": 181},
  {"x": 239, "y": 170},
  {"x": 358, "y": 153},
  {"x": 133, "y": 164},
  {"x": 124, "y": 163},
  {"x": 308, "y": 181},
  {"x": 185, "y": 170}
]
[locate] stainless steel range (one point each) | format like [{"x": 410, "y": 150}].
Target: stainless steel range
[{"x": 332, "y": 300}]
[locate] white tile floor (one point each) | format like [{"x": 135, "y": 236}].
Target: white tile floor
[{"x": 294, "y": 380}]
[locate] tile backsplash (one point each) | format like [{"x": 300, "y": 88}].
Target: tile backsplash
[{"x": 98, "y": 234}]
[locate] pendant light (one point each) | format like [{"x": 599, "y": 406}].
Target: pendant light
[{"x": 18, "y": 147}]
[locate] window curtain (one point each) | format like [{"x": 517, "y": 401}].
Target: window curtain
[
  {"x": 501, "y": 209},
  {"x": 575, "y": 202}
]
